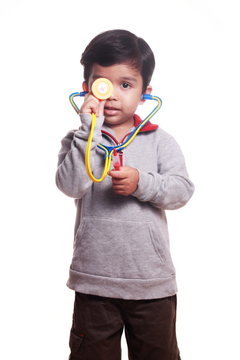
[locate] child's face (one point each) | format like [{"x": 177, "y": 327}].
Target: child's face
[{"x": 127, "y": 91}]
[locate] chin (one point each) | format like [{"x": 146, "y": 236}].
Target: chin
[{"x": 111, "y": 121}]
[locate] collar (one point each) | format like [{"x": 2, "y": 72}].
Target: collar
[
  {"x": 137, "y": 120},
  {"x": 147, "y": 127}
]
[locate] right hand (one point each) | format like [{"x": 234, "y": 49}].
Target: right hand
[{"x": 92, "y": 105}]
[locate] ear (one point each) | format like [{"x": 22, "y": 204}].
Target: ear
[
  {"x": 147, "y": 91},
  {"x": 84, "y": 86}
]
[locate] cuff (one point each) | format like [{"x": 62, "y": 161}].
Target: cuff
[
  {"x": 143, "y": 183},
  {"x": 85, "y": 127}
]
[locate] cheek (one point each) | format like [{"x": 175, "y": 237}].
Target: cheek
[{"x": 131, "y": 103}]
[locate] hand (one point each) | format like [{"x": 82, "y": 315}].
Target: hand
[
  {"x": 125, "y": 180},
  {"x": 92, "y": 104}
]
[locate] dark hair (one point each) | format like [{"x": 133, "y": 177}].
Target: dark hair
[{"x": 116, "y": 47}]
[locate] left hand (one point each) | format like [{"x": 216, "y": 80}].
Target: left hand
[{"x": 125, "y": 180}]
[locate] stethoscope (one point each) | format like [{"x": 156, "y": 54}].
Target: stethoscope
[{"x": 102, "y": 89}]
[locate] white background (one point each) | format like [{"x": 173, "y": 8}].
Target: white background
[{"x": 196, "y": 44}]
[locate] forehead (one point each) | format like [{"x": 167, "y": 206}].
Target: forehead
[{"x": 116, "y": 72}]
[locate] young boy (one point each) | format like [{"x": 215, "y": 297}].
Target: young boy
[{"x": 121, "y": 271}]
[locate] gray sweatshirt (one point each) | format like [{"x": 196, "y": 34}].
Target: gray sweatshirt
[{"x": 121, "y": 243}]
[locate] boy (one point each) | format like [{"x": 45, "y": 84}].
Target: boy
[{"x": 122, "y": 272}]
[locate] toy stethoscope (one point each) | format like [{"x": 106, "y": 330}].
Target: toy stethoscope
[{"x": 102, "y": 89}]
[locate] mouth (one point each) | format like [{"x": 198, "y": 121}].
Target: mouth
[{"x": 110, "y": 110}]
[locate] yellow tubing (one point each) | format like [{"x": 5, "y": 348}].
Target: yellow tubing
[{"x": 87, "y": 155}]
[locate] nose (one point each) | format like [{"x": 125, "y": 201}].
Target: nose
[{"x": 113, "y": 95}]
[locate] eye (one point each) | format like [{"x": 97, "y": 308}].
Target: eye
[{"x": 125, "y": 85}]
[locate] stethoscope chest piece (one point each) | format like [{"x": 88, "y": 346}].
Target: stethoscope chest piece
[{"x": 102, "y": 88}]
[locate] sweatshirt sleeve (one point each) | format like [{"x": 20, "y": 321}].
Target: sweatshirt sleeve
[
  {"x": 169, "y": 188},
  {"x": 71, "y": 175}
]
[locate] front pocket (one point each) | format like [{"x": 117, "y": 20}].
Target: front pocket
[
  {"x": 158, "y": 241},
  {"x": 119, "y": 249},
  {"x": 75, "y": 343}
]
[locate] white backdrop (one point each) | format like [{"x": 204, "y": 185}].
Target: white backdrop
[{"x": 196, "y": 44}]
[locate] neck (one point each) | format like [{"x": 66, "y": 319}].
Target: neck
[{"x": 121, "y": 130}]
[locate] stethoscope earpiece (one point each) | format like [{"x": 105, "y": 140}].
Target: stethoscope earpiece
[{"x": 147, "y": 97}]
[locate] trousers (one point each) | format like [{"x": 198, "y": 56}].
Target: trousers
[{"x": 98, "y": 323}]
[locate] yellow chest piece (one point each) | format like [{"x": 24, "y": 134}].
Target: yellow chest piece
[{"x": 102, "y": 88}]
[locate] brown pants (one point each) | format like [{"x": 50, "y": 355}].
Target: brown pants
[{"x": 98, "y": 324}]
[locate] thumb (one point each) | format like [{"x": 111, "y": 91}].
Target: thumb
[{"x": 116, "y": 174}]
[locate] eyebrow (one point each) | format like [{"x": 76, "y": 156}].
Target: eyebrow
[
  {"x": 129, "y": 78},
  {"x": 95, "y": 77}
]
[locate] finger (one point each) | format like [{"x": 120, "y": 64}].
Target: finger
[
  {"x": 120, "y": 174},
  {"x": 101, "y": 108},
  {"x": 119, "y": 186},
  {"x": 90, "y": 105},
  {"x": 93, "y": 105},
  {"x": 123, "y": 192},
  {"x": 119, "y": 190}
]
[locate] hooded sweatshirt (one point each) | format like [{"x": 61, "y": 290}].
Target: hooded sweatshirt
[{"x": 121, "y": 243}]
